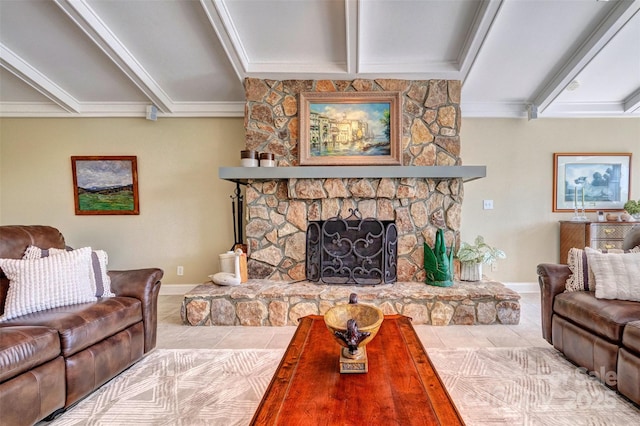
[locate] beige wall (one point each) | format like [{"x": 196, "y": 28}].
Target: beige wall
[
  {"x": 519, "y": 159},
  {"x": 185, "y": 212}
]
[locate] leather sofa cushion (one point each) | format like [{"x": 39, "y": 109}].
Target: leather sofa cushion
[
  {"x": 603, "y": 317},
  {"x": 34, "y": 394},
  {"x": 631, "y": 337},
  {"x": 24, "y": 348},
  {"x": 84, "y": 324},
  {"x": 629, "y": 375}
]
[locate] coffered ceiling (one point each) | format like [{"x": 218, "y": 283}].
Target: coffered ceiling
[{"x": 188, "y": 58}]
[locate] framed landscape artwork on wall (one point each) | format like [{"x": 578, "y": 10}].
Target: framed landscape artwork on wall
[
  {"x": 105, "y": 185},
  {"x": 593, "y": 181},
  {"x": 350, "y": 128}
]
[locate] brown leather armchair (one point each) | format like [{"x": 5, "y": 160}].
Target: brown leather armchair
[{"x": 49, "y": 360}]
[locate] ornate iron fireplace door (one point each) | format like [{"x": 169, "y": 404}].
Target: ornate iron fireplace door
[{"x": 352, "y": 250}]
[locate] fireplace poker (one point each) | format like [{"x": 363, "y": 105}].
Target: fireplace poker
[
  {"x": 239, "y": 218},
  {"x": 235, "y": 232}
]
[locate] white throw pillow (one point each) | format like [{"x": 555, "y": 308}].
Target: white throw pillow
[
  {"x": 33, "y": 252},
  {"x": 40, "y": 284},
  {"x": 617, "y": 275},
  {"x": 98, "y": 269}
]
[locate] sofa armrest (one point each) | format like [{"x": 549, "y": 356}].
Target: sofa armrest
[
  {"x": 552, "y": 278},
  {"x": 144, "y": 285}
]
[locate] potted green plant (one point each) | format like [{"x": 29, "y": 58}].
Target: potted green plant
[
  {"x": 633, "y": 208},
  {"x": 473, "y": 256}
]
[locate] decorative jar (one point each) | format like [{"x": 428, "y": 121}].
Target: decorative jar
[
  {"x": 249, "y": 158},
  {"x": 267, "y": 159}
]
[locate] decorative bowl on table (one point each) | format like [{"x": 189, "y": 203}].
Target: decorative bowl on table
[{"x": 353, "y": 325}]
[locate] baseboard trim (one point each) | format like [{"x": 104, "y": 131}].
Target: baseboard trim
[
  {"x": 176, "y": 289},
  {"x": 523, "y": 287}
]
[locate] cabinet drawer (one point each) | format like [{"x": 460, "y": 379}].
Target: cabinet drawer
[
  {"x": 603, "y": 230},
  {"x": 599, "y": 235},
  {"x": 606, "y": 244}
]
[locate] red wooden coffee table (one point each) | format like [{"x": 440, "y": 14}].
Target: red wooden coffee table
[{"x": 401, "y": 387}]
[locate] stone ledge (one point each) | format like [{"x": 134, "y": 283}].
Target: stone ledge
[{"x": 279, "y": 303}]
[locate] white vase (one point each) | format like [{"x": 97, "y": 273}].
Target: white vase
[{"x": 470, "y": 271}]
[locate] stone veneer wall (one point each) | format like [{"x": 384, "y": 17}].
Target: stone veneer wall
[{"x": 278, "y": 211}]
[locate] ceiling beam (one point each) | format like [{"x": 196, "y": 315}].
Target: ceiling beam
[
  {"x": 622, "y": 12},
  {"x": 478, "y": 33},
  {"x": 220, "y": 19},
  {"x": 594, "y": 109},
  {"x": 85, "y": 17},
  {"x": 34, "y": 78},
  {"x": 632, "y": 103},
  {"x": 352, "y": 18}
]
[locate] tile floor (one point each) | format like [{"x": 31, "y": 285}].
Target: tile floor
[{"x": 172, "y": 334}]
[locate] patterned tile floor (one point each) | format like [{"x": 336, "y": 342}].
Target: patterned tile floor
[{"x": 172, "y": 334}]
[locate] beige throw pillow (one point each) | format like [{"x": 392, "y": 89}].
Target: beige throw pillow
[
  {"x": 582, "y": 278},
  {"x": 617, "y": 275}
]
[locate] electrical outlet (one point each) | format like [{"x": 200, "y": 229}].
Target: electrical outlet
[
  {"x": 494, "y": 266},
  {"x": 487, "y": 204},
  {"x": 180, "y": 270}
]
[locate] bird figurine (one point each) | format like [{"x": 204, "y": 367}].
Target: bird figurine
[
  {"x": 352, "y": 336},
  {"x": 226, "y": 278}
]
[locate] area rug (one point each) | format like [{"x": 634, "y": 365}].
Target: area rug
[
  {"x": 181, "y": 387},
  {"x": 490, "y": 386},
  {"x": 527, "y": 386}
]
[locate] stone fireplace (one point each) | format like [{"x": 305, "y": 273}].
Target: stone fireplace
[
  {"x": 417, "y": 200},
  {"x": 278, "y": 210}
]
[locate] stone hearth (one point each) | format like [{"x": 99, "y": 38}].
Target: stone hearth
[{"x": 279, "y": 303}]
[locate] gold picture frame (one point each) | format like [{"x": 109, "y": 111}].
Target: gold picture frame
[
  {"x": 350, "y": 128},
  {"x": 591, "y": 181}
]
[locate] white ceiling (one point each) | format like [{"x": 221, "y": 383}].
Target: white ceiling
[{"x": 114, "y": 58}]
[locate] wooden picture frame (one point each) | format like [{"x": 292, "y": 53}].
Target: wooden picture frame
[
  {"x": 105, "y": 185},
  {"x": 350, "y": 128},
  {"x": 593, "y": 181}
]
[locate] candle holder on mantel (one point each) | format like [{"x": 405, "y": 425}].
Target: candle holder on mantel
[
  {"x": 578, "y": 205},
  {"x": 353, "y": 326}
]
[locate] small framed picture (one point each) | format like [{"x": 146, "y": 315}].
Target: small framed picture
[
  {"x": 591, "y": 181},
  {"x": 105, "y": 185},
  {"x": 350, "y": 128}
]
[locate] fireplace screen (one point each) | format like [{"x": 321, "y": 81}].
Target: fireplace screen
[{"x": 352, "y": 250}]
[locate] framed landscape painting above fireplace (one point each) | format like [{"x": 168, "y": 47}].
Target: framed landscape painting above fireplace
[{"x": 350, "y": 128}]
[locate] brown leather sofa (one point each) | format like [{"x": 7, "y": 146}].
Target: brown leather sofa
[
  {"x": 600, "y": 335},
  {"x": 50, "y": 360}
]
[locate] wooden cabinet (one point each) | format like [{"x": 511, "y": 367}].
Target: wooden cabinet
[{"x": 599, "y": 235}]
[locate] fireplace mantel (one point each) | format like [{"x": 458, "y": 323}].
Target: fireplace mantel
[{"x": 244, "y": 174}]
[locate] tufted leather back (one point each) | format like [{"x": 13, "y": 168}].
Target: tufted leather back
[{"x": 14, "y": 240}]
